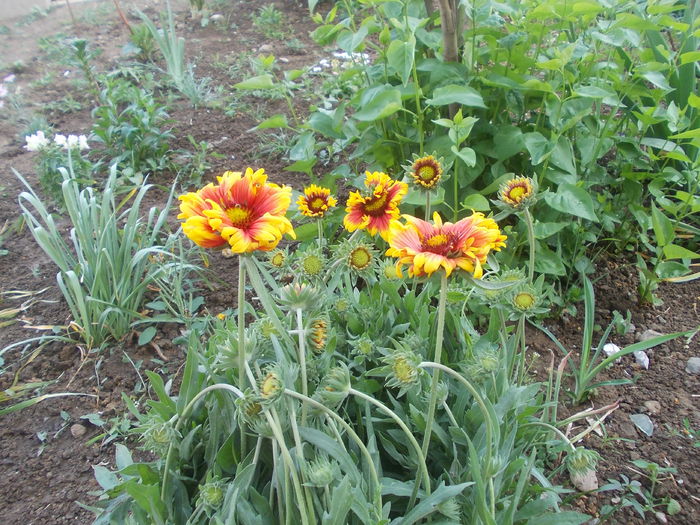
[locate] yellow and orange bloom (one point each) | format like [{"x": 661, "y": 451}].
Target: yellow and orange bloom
[
  {"x": 427, "y": 247},
  {"x": 316, "y": 201},
  {"x": 375, "y": 209},
  {"x": 243, "y": 210},
  {"x": 426, "y": 172},
  {"x": 518, "y": 192}
]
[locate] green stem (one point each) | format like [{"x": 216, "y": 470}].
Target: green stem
[
  {"x": 477, "y": 397},
  {"x": 186, "y": 411},
  {"x": 412, "y": 440},
  {"x": 320, "y": 233},
  {"x": 531, "y": 241},
  {"x": 436, "y": 357},
  {"x": 521, "y": 342},
  {"x": 353, "y": 435},
  {"x": 427, "y": 206},
  {"x": 455, "y": 188},
  {"x": 241, "y": 338},
  {"x": 302, "y": 361},
  {"x": 553, "y": 429}
]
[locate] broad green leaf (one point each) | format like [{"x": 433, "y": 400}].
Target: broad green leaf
[
  {"x": 379, "y": 103},
  {"x": 260, "y": 82},
  {"x": 147, "y": 335},
  {"x": 694, "y": 100},
  {"x": 547, "y": 261},
  {"x": 302, "y": 166},
  {"x": 400, "y": 56},
  {"x": 671, "y": 269},
  {"x": 547, "y": 229},
  {"x": 662, "y": 225},
  {"x": 454, "y": 94},
  {"x": 573, "y": 200},
  {"x": 468, "y": 155},
  {"x": 538, "y": 146},
  {"x": 656, "y": 78},
  {"x": 508, "y": 141},
  {"x": 477, "y": 202},
  {"x": 673, "y": 251},
  {"x": 275, "y": 121},
  {"x": 593, "y": 92},
  {"x": 429, "y": 505},
  {"x": 105, "y": 477},
  {"x": 690, "y": 56}
]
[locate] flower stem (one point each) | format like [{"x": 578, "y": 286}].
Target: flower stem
[
  {"x": 319, "y": 225},
  {"x": 427, "y": 206},
  {"x": 416, "y": 447},
  {"x": 531, "y": 241},
  {"x": 186, "y": 412},
  {"x": 477, "y": 397},
  {"x": 353, "y": 435},
  {"x": 302, "y": 361},
  {"x": 241, "y": 338},
  {"x": 436, "y": 357}
]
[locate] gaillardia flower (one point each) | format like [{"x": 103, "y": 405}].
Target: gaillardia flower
[
  {"x": 518, "y": 193},
  {"x": 245, "y": 211},
  {"x": 427, "y": 247},
  {"x": 377, "y": 207},
  {"x": 315, "y": 201},
  {"x": 426, "y": 172}
]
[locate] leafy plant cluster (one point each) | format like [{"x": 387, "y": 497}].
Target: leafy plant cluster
[{"x": 595, "y": 100}]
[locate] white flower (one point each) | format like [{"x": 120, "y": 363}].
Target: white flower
[
  {"x": 36, "y": 142},
  {"x": 71, "y": 142},
  {"x": 9, "y": 79},
  {"x": 60, "y": 140},
  {"x": 82, "y": 142},
  {"x": 3, "y": 91}
]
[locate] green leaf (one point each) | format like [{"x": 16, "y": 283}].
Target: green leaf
[
  {"x": 673, "y": 251},
  {"x": 105, "y": 477},
  {"x": 275, "y": 121},
  {"x": 378, "y": 103},
  {"x": 538, "y": 146},
  {"x": 429, "y": 505},
  {"x": 656, "y": 78},
  {"x": 400, "y": 56},
  {"x": 259, "y": 82},
  {"x": 572, "y": 200},
  {"x": 662, "y": 225},
  {"x": 546, "y": 261},
  {"x": 468, "y": 155},
  {"x": 306, "y": 232},
  {"x": 147, "y": 335},
  {"x": 454, "y": 94},
  {"x": 477, "y": 202},
  {"x": 690, "y": 134},
  {"x": 547, "y": 229},
  {"x": 671, "y": 269}
]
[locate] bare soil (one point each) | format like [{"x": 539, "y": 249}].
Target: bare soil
[{"x": 46, "y": 462}]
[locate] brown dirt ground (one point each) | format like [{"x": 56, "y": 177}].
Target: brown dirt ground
[{"x": 45, "y": 469}]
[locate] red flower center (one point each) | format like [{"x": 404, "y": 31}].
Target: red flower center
[{"x": 440, "y": 243}]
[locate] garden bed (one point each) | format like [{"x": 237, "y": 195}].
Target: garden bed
[{"x": 49, "y": 449}]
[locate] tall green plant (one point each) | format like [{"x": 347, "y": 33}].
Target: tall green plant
[{"x": 104, "y": 270}]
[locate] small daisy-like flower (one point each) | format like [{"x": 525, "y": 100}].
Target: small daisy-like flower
[
  {"x": 60, "y": 140},
  {"x": 36, "y": 142},
  {"x": 221, "y": 316},
  {"x": 359, "y": 257},
  {"x": 278, "y": 258},
  {"x": 363, "y": 346},
  {"x": 518, "y": 193},
  {"x": 316, "y": 201},
  {"x": 389, "y": 271},
  {"x": 581, "y": 460},
  {"x": 428, "y": 247},
  {"x": 375, "y": 209},
  {"x": 524, "y": 300},
  {"x": 426, "y": 172}
]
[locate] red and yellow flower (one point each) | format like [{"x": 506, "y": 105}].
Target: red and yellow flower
[
  {"x": 375, "y": 209},
  {"x": 518, "y": 192},
  {"x": 243, "y": 210},
  {"x": 316, "y": 201},
  {"x": 428, "y": 247},
  {"x": 426, "y": 172}
]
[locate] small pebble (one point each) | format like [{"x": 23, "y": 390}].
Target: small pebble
[
  {"x": 642, "y": 359},
  {"x": 693, "y": 366},
  {"x": 78, "y": 430},
  {"x": 654, "y": 407},
  {"x": 661, "y": 517}
]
